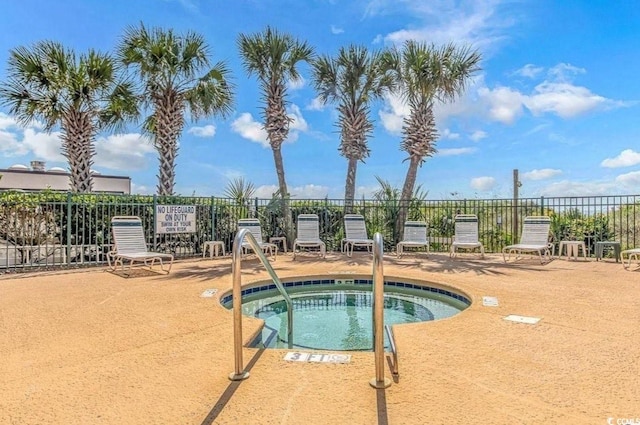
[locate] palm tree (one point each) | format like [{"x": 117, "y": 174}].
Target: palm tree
[
  {"x": 274, "y": 58},
  {"x": 81, "y": 95},
  {"x": 426, "y": 74},
  {"x": 178, "y": 79},
  {"x": 353, "y": 79}
]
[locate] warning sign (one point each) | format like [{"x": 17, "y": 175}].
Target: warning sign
[{"x": 175, "y": 218}]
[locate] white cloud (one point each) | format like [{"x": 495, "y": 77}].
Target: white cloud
[
  {"x": 9, "y": 145},
  {"x": 296, "y": 84},
  {"x": 265, "y": 191},
  {"x": 455, "y": 151},
  {"x": 127, "y": 152},
  {"x": 138, "y": 189},
  {"x": 529, "y": 71},
  {"x": 117, "y": 152},
  {"x": 564, "y": 72},
  {"x": 627, "y": 158},
  {"x": 483, "y": 183},
  {"x": 308, "y": 191},
  {"x": 17, "y": 140},
  {"x": 316, "y": 105},
  {"x": 469, "y": 22},
  {"x": 298, "y": 123},
  {"x": 252, "y": 130},
  {"x": 504, "y": 103},
  {"x": 7, "y": 122},
  {"x": 478, "y": 135},
  {"x": 543, "y": 174},
  {"x": 447, "y": 134},
  {"x": 563, "y": 99},
  {"x": 206, "y": 131},
  {"x": 570, "y": 188},
  {"x": 364, "y": 192},
  {"x": 44, "y": 146},
  {"x": 630, "y": 180},
  {"x": 393, "y": 113},
  {"x": 336, "y": 30}
]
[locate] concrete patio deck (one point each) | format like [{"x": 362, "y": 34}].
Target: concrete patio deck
[{"x": 91, "y": 347}]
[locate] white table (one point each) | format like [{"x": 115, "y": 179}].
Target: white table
[
  {"x": 279, "y": 239},
  {"x": 572, "y": 249},
  {"x": 214, "y": 248}
]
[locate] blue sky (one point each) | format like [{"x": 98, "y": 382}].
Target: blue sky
[{"x": 557, "y": 97}]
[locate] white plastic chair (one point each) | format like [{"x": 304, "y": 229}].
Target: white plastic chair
[
  {"x": 415, "y": 236},
  {"x": 308, "y": 235},
  {"x": 466, "y": 234},
  {"x": 632, "y": 254},
  {"x": 253, "y": 225},
  {"x": 355, "y": 231},
  {"x": 534, "y": 239},
  {"x": 130, "y": 245}
]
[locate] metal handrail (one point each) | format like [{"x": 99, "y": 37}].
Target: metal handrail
[
  {"x": 236, "y": 266},
  {"x": 378, "y": 314},
  {"x": 393, "y": 348}
]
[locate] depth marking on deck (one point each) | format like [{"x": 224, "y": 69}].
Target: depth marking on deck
[
  {"x": 208, "y": 293},
  {"x": 298, "y": 356},
  {"x": 522, "y": 319},
  {"x": 490, "y": 301}
]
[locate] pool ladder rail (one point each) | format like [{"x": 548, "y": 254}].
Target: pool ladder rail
[
  {"x": 393, "y": 349},
  {"x": 236, "y": 268},
  {"x": 379, "y": 382}
]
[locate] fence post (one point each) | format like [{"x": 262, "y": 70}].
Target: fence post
[
  {"x": 516, "y": 185},
  {"x": 542, "y": 205},
  {"x": 213, "y": 219},
  {"x": 69, "y": 227},
  {"x": 153, "y": 216},
  {"x": 255, "y": 210}
]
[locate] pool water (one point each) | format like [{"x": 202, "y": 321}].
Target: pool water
[{"x": 339, "y": 317}]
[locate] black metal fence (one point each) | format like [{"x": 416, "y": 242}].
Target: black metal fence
[{"x": 51, "y": 229}]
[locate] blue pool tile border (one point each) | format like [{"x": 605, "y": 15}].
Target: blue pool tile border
[{"x": 225, "y": 300}]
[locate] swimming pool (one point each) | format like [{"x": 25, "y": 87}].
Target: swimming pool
[{"x": 335, "y": 313}]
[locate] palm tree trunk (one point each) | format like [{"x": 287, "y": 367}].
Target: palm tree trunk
[
  {"x": 350, "y": 185},
  {"x": 407, "y": 194},
  {"x": 284, "y": 193},
  {"x": 78, "y": 148},
  {"x": 169, "y": 121}
]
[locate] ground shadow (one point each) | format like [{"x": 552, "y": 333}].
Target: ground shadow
[{"x": 229, "y": 392}]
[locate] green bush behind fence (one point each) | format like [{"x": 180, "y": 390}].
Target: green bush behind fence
[{"x": 57, "y": 229}]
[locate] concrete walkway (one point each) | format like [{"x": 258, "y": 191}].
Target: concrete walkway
[{"x": 91, "y": 347}]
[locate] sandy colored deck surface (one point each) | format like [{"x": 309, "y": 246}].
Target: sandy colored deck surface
[{"x": 90, "y": 347}]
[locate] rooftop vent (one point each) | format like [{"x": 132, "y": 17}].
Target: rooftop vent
[
  {"x": 37, "y": 165},
  {"x": 18, "y": 167}
]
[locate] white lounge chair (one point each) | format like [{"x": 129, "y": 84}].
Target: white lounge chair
[
  {"x": 253, "y": 225},
  {"x": 631, "y": 254},
  {"x": 130, "y": 245},
  {"x": 534, "y": 239},
  {"x": 466, "y": 234},
  {"x": 355, "y": 232},
  {"x": 415, "y": 236},
  {"x": 308, "y": 235}
]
